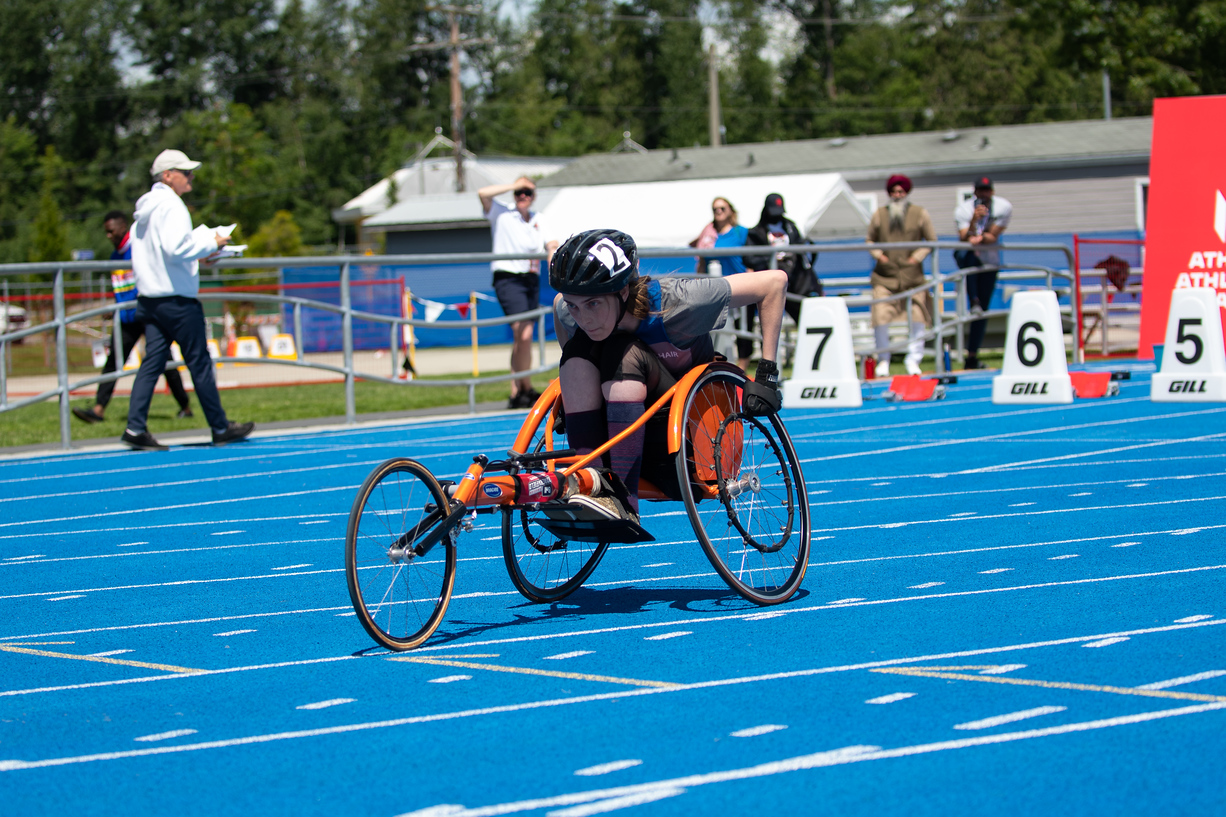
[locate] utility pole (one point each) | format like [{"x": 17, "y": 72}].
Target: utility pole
[
  {"x": 455, "y": 43},
  {"x": 713, "y": 95}
]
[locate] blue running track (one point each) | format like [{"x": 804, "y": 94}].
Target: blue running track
[{"x": 1011, "y": 609}]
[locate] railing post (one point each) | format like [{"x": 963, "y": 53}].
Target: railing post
[
  {"x": 347, "y": 344},
  {"x": 298, "y": 332},
  {"x": 61, "y": 357},
  {"x": 4, "y": 351}
]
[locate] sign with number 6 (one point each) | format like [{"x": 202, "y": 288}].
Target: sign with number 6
[
  {"x": 1193, "y": 364},
  {"x": 1035, "y": 368}
]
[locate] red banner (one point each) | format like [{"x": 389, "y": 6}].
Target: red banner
[{"x": 1185, "y": 228}]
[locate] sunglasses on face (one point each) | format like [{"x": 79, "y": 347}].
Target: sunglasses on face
[
  {"x": 719, "y": 209},
  {"x": 525, "y": 191}
]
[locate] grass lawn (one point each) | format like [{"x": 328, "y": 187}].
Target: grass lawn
[{"x": 40, "y": 423}]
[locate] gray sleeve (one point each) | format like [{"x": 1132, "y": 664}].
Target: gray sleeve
[
  {"x": 561, "y": 314},
  {"x": 692, "y": 307}
]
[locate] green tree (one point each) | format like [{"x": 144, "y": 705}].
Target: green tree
[
  {"x": 50, "y": 240},
  {"x": 278, "y": 237}
]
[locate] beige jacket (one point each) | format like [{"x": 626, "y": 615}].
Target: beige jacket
[{"x": 894, "y": 273}]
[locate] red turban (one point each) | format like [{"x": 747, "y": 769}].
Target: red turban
[{"x": 898, "y": 179}]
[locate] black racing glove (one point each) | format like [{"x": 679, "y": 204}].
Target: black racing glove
[{"x": 762, "y": 395}]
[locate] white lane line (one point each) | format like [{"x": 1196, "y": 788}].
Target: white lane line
[
  {"x": 617, "y": 803},
  {"x": 963, "y": 513},
  {"x": 660, "y": 564},
  {"x": 182, "y": 583},
  {"x": 631, "y": 693},
  {"x": 925, "y": 585},
  {"x": 996, "y": 570},
  {"x": 1083, "y": 493},
  {"x": 232, "y": 632},
  {"x": 1186, "y": 679},
  {"x": 177, "y": 733},
  {"x": 1002, "y": 669},
  {"x": 1125, "y": 544},
  {"x": 63, "y": 598},
  {"x": 845, "y": 601},
  {"x": 1012, "y": 717},
  {"x": 563, "y": 655},
  {"x": 1106, "y": 642},
  {"x": 1190, "y": 619},
  {"x": 846, "y": 755},
  {"x": 227, "y": 532},
  {"x": 23, "y": 558},
  {"x": 765, "y": 615},
  {"x": 1137, "y": 484},
  {"x": 108, "y": 653},
  {"x": 315, "y": 522},
  {"x": 893, "y": 698},
  {"x": 450, "y": 679},
  {"x": 607, "y": 768},
  {"x": 1033, "y": 432},
  {"x": 663, "y": 636},
  {"x": 291, "y": 567},
  {"x": 131, "y": 544},
  {"x": 754, "y": 731},
  {"x": 326, "y": 704},
  {"x": 236, "y": 546},
  {"x": 1022, "y": 504},
  {"x": 732, "y": 617},
  {"x": 1065, "y": 556}
]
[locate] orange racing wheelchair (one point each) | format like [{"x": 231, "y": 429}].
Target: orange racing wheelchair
[{"x": 739, "y": 478}]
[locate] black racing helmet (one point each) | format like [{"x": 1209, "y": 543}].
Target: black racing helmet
[{"x": 594, "y": 262}]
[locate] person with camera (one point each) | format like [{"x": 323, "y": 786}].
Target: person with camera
[
  {"x": 774, "y": 229},
  {"x": 899, "y": 270},
  {"x": 980, "y": 221}
]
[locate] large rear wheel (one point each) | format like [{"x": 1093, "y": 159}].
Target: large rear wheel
[
  {"x": 744, "y": 491},
  {"x": 399, "y": 583}
]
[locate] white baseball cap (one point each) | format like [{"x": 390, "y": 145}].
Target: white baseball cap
[{"x": 171, "y": 160}]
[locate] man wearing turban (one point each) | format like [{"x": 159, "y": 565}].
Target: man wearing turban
[{"x": 899, "y": 270}]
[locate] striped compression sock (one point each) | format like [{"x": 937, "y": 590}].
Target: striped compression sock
[{"x": 627, "y": 456}]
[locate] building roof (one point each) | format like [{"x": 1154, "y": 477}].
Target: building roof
[
  {"x": 435, "y": 178},
  {"x": 1050, "y": 145}
]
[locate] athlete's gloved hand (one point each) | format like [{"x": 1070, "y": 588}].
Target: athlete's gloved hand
[{"x": 762, "y": 395}]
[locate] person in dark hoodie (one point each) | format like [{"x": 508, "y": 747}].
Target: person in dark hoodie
[
  {"x": 166, "y": 255},
  {"x": 774, "y": 229}
]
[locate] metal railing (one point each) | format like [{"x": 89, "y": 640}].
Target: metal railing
[{"x": 944, "y": 286}]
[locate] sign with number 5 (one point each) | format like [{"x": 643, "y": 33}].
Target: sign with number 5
[
  {"x": 1193, "y": 364},
  {"x": 1035, "y": 368}
]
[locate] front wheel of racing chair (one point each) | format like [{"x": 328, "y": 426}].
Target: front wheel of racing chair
[
  {"x": 743, "y": 489},
  {"x": 544, "y": 567}
]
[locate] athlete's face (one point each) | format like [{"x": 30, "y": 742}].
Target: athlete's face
[{"x": 595, "y": 314}]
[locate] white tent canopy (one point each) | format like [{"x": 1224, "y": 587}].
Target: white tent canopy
[{"x": 671, "y": 214}]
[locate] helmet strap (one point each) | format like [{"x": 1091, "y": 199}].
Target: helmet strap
[{"x": 621, "y": 313}]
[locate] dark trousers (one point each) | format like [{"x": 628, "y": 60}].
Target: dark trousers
[
  {"x": 979, "y": 288},
  {"x": 180, "y": 320},
  {"x": 130, "y": 333}
]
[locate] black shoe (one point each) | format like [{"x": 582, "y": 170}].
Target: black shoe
[
  {"x": 142, "y": 442},
  {"x": 233, "y": 433},
  {"x": 523, "y": 400},
  {"x": 184, "y": 413},
  {"x": 86, "y": 415},
  {"x": 972, "y": 362}
]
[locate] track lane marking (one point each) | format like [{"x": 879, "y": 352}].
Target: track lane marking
[
  {"x": 927, "y": 672},
  {"x": 573, "y": 676},
  {"x": 101, "y": 660}
]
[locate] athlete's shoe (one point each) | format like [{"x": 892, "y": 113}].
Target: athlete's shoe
[{"x": 583, "y": 508}]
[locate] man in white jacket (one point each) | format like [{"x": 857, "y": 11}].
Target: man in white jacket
[{"x": 165, "y": 260}]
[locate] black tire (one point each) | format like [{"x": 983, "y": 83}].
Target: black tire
[
  {"x": 400, "y": 597},
  {"x": 543, "y": 567},
  {"x": 757, "y": 533}
]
